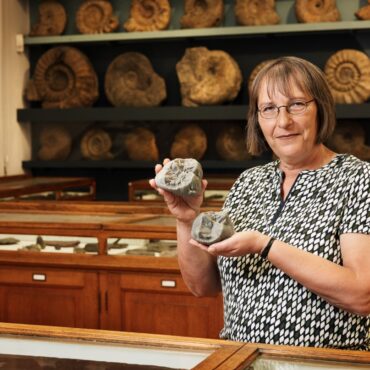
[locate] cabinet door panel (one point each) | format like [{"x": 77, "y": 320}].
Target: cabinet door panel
[
  {"x": 174, "y": 314},
  {"x": 56, "y": 297}
]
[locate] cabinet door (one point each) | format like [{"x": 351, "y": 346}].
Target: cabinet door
[
  {"x": 160, "y": 304},
  {"x": 49, "y": 297}
]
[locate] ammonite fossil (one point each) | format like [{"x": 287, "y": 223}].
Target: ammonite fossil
[
  {"x": 364, "y": 12},
  {"x": 312, "y": 11},
  {"x": 255, "y": 71},
  {"x": 349, "y": 137},
  {"x": 52, "y": 19},
  {"x": 131, "y": 81},
  {"x": 212, "y": 227},
  {"x": 96, "y": 144},
  {"x": 140, "y": 145},
  {"x": 55, "y": 143},
  {"x": 64, "y": 78},
  {"x": 231, "y": 145},
  {"x": 208, "y": 77},
  {"x": 202, "y": 14},
  {"x": 148, "y": 15},
  {"x": 348, "y": 74},
  {"x": 256, "y": 12},
  {"x": 96, "y": 16},
  {"x": 181, "y": 176},
  {"x": 189, "y": 142}
]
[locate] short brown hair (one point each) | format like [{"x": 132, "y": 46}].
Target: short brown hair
[{"x": 280, "y": 74}]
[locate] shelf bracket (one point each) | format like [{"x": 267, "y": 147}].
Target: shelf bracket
[{"x": 19, "y": 43}]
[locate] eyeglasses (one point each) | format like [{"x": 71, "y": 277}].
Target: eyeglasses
[{"x": 296, "y": 107}]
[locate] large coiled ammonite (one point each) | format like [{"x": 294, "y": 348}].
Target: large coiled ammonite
[
  {"x": 64, "y": 78},
  {"x": 231, "y": 144},
  {"x": 349, "y": 137},
  {"x": 96, "y": 16},
  {"x": 364, "y": 12},
  {"x": 202, "y": 13},
  {"x": 148, "y": 15},
  {"x": 208, "y": 77},
  {"x": 189, "y": 142},
  {"x": 52, "y": 19},
  {"x": 348, "y": 74},
  {"x": 140, "y": 145},
  {"x": 256, "y": 12},
  {"x": 55, "y": 143},
  {"x": 96, "y": 144},
  {"x": 131, "y": 81},
  {"x": 312, "y": 11}
]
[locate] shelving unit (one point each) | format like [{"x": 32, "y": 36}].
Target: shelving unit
[{"x": 248, "y": 45}]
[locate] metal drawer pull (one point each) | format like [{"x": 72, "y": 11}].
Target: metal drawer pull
[
  {"x": 168, "y": 283},
  {"x": 39, "y": 277}
]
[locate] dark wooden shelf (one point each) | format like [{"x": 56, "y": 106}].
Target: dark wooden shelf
[
  {"x": 175, "y": 113},
  {"x": 145, "y": 165}
]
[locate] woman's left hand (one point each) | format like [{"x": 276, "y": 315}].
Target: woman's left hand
[{"x": 239, "y": 244}]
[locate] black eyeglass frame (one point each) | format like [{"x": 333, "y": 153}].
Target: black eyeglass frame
[{"x": 287, "y": 108}]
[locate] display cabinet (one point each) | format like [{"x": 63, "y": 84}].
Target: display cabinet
[
  {"x": 98, "y": 265},
  {"x": 32, "y": 346},
  {"x": 249, "y": 45}
]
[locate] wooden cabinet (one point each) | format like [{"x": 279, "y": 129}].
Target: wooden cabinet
[
  {"x": 158, "y": 303},
  {"x": 46, "y": 296}
]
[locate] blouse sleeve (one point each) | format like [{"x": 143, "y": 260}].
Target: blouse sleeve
[{"x": 356, "y": 216}]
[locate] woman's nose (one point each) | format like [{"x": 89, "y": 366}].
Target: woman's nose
[{"x": 283, "y": 119}]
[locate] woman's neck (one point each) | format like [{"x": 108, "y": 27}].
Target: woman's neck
[{"x": 318, "y": 158}]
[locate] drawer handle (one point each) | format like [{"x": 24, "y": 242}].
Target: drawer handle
[
  {"x": 39, "y": 277},
  {"x": 168, "y": 283}
]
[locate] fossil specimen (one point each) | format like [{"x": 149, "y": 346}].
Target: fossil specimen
[
  {"x": 96, "y": 144},
  {"x": 55, "y": 143},
  {"x": 96, "y": 16},
  {"x": 208, "y": 77},
  {"x": 140, "y": 145},
  {"x": 202, "y": 14},
  {"x": 212, "y": 227},
  {"x": 148, "y": 15},
  {"x": 312, "y": 11},
  {"x": 131, "y": 81},
  {"x": 256, "y": 12},
  {"x": 182, "y": 177}
]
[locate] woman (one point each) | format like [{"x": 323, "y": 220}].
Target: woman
[{"x": 296, "y": 272}]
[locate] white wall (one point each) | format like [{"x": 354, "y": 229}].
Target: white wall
[{"x": 14, "y": 137}]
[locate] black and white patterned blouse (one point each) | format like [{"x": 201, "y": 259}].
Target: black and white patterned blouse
[{"x": 262, "y": 304}]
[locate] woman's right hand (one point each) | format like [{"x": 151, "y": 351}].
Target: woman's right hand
[{"x": 185, "y": 209}]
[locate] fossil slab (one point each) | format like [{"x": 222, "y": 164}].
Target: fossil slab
[
  {"x": 212, "y": 227},
  {"x": 181, "y": 176}
]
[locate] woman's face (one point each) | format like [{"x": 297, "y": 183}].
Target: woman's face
[{"x": 291, "y": 137}]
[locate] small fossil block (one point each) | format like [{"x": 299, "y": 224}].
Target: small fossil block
[
  {"x": 181, "y": 176},
  {"x": 212, "y": 227}
]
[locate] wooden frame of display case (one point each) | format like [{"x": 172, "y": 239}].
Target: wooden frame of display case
[{"x": 223, "y": 355}]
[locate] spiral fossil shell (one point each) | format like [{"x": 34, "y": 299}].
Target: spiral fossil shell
[
  {"x": 348, "y": 74},
  {"x": 96, "y": 144},
  {"x": 96, "y": 16},
  {"x": 231, "y": 145},
  {"x": 52, "y": 19},
  {"x": 148, "y": 15},
  {"x": 312, "y": 11},
  {"x": 349, "y": 137},
  {"x": 202, "y": 14},
  {"x": 208, "y": 77},
  {"x": 140, "y": 145},
  {"x": 131, "y": 81},
  {"x": 189, "y": 142},
  {"x": 55, "y": 143},
  {"x": 65, "y": 78},
  {"x": 256, "y": 12}
]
